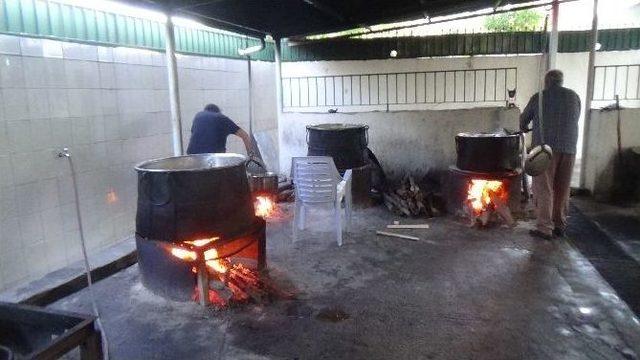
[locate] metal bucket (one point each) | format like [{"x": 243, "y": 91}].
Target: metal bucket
[{"x": 265, "y": 183}]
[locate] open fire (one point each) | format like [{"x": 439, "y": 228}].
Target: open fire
[
  {"x": 485, "y": 197},
  {"x": 265, "y": 206},
  {"x": 232, "y": 282}
]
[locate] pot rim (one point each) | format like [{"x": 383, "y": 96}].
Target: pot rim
[{"x": 240, "y": 160}]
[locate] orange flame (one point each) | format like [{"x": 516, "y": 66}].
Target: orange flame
[
  {"x": 265, "y": 206},
  {"x": 184, "y": 254},
  {"x": 481, "y": 191},
  {"x": 212, "y": 261},
  {"x": 201, "y": 242}
]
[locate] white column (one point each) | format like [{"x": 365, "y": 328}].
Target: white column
[
  {"x": 278, "y": 60},
  {"x": 174, "y": 92},
  {"x": 589, "y": 96},
  {"x": 553, "y": 39}
]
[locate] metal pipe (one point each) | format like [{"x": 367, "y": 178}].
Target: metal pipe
[
  {"x": 589, "y": 96},
  {"x": 65, "y": 153},
  {"x": 278, "y": 60},
  {"x": 247, "y": 52},
  {"x": 174, "y": 92},
  {"x": 553, "y": 38}
]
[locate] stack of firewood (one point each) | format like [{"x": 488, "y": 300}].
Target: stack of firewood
[
  {"x": 408, "y": 199},
  {"x": 285, "y": 190}
]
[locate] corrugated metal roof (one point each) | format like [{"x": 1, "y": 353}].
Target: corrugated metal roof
[
  {"x": 458, "y": 44},
  {"x": 289, "y": 18}
]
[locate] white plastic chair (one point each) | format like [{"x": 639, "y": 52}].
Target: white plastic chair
[{"x": 318, "y": 182}]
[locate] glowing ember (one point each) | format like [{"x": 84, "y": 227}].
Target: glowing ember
[
  {"x": 481, "y": 193},
  {"x": 201, "y": 242},
  {"x": 264, "y": 206},
  {"x": 184, "y": 254},
  {"x": 212, "y": 261}
]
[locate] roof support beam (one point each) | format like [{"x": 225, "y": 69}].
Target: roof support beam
[
  {"x": 586, "y": 129},
  {"x": 553, "y": 38},
  {"x": 174, "y": 92}
]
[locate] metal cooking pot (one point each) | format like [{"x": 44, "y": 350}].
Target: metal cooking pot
[
  {"x": 261, "y": 180},
  {"x": 193, "y": 197},
  {"x": 264, "y": 183},
  {"x": 488, "y": 152}
]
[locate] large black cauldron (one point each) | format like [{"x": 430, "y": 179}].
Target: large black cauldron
[
  {"x": 193, "y": 197},
  {"x": 345, "y": 143},
  {"x": 485, "y": 152}
]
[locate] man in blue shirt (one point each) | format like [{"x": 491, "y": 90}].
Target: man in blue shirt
[
  {"x": 210, "y": 130},
  {"x": 561, "y": 111}
]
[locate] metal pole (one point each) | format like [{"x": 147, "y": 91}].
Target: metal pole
[
  {"x": 589, "y": 96},
  {"x": 174, "y": 92},
  {"x": 553, "y": 39},
  {"x": 250, "y": 97},
  {"x": 278, "y": 49}
]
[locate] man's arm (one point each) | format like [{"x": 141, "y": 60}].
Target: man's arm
[
  {"x": 246, "y": 139},
  {"x": 527, "y": 113}
]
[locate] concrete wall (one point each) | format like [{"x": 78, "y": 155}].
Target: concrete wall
[
  {"x": 403, "y": 141},
  {"x": 603, "y": 147},
  {"x": 110, "y": 107},
  {"x": 574, "y": 66}
]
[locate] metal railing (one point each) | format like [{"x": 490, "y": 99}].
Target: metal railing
[
  {"x": 621, "y": 80},
  {"x": 400, "y": 88}
]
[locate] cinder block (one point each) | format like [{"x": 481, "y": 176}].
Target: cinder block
[
  {"x": 9, "y": 44},
  {"x": 10, "y": 237},
  {"x": 29, "y": 198},
  {"x": 73, "y": 51},
  {"x": 58, "y": 103},
  {"x": 15, "y": 104},
  {"x": 107, "y": 75},
  {"x": 52, "y": 223},
  {"x": 8, "y": 205},
  {"x": 11, "y": 72},
  {"x": 38, "y": 103},
  {"x": 41, "y": 134},
  {"x": 112, "y": 127},
  {"x": 6, "y": 173},
  {"x": 31, "y": 228},
  {"x": 105, "y": 54},
  {"x": 30, "y": 46},
  {"x": 55, "y": 73},
  {"x": 19, "y": 133},
  {"x": 61, "y": 135},
  {"x": 12, "y": 266},
  {"x": 52, "y": 49},
  {"x": 56, "y": 253},
  {"x": 34, "y": 72},
  {"x": 81, "y": 131}
]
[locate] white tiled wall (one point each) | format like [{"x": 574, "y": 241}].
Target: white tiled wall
[{"x": 110, "y": 107}]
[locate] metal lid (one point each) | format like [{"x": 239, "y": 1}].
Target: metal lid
[
  {"x": 197, "y": 162},
  {"x": 337, "y": 127}
]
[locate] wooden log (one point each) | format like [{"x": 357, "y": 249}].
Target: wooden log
[
  {"x": 285, "y": 195},
  {"x": 408, "y": 226},
  {"x": 287, "y": 185},
  {"x": 400, "y": 236}
]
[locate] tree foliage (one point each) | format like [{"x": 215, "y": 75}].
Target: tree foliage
[{"x": 523, "y": 20}]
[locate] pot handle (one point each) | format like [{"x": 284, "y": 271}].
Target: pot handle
[
  {"x": 161, "y": 185},
  {"x": 366, "y": 135}
]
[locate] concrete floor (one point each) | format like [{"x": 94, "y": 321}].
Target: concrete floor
[{"x": 459, "y": 293}]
